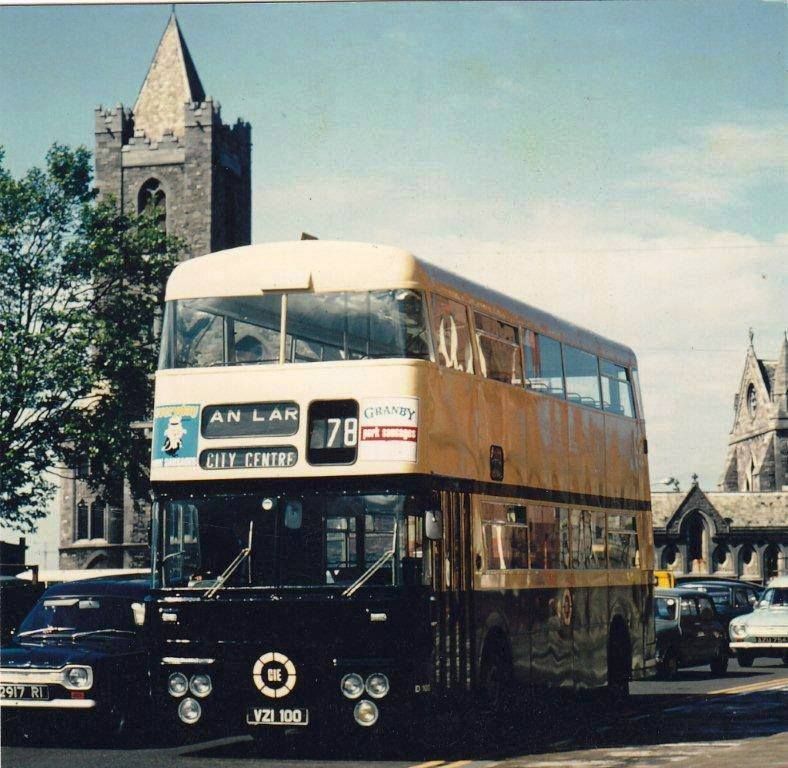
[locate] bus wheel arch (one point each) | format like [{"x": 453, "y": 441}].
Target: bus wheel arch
[{"x": 619, "y": 658}]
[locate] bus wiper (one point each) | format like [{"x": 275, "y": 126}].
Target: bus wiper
[
  {"x": 375, "y": 567},
  {"x": 88, "y": 632},
  {"x": 230, "y": 569}
]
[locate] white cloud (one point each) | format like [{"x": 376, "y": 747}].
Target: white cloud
[
  {"x": 718, "y": 164},
  {"x": 681, "y": 294}
]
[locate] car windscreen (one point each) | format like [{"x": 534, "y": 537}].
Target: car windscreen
[
  {"x": 80, "y": 614},
  {"x": 665, "y": 608}
]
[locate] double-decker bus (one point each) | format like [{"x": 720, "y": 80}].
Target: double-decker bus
[{"x": 378, "y": 485}]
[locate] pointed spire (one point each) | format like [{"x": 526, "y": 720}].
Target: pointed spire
[
  {"x": 172, "y": 80},
  {"x": 780, "y": 392}
]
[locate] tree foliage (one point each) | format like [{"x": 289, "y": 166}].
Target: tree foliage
[{"x": 81, "y": 288}]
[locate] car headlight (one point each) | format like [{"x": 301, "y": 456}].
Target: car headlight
[
  {"x": 352, "y": 685},
  {"x": 738, "y": 630},
  {"x": 200, "y": 685},
  {"x": 377, "y": 685},
  {"x": 177, "y": 684},
  {"x": 78, "y": 678}
]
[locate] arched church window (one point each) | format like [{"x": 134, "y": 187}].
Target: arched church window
[
  {"x": 82, "y": 521},
  {"x": 696, "y": 536},
  {"x": 97, "y": 509},
  {"x": 152, "y": 197}
]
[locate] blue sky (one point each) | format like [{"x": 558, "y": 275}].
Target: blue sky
[{"x": 622, "y": 164}]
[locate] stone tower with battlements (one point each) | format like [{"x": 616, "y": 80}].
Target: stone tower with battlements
[{"x": 172, "y": 151}]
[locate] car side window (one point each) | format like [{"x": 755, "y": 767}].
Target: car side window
[
  {"x": 740, "y": 598},
  {"x": 752, "y": 597},
  {"x": 706, "y": 608},
  {"x": 688, "y": 607}
]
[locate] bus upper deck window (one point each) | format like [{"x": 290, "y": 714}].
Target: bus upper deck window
[
  {"x": 616, "y": 389},
  {"x": 452, "y": 335},
  {"x": 544, "y": 366}
]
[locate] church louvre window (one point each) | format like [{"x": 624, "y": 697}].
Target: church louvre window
[
  {"x": 752, "y": 401},
  {"x": 152, "y": 197}
]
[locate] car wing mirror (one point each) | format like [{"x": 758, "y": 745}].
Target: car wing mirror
[{"x": 433, "y": 525}]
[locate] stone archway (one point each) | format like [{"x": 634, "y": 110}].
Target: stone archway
[
  {"x": 749, "y": 566},
  {"x": 771, "y": 562},
  {"x": 722, "y": 560}
]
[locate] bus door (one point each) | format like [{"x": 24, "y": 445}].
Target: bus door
[
  {"x": 551, "y": 598},
  {"x": 452, "y": 584}
]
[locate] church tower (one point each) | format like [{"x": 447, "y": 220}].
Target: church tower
[
  {"x": 758, "y": 447},
  {"x": 173, "y": 150}
]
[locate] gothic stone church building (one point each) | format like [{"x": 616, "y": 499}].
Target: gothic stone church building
[
  {"x": 171, "y": 150},
  {"x": 741, "y": 530}
]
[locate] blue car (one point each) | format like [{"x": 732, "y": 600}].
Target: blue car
[{"x": 78, "y": 661}]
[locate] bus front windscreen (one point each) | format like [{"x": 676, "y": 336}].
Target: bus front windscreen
[
  {"x": 244, "y": 330},
  {"x": 256, "y": 540}
]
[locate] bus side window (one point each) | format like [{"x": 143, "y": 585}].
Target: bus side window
[
  {"x": 505, "y": 536},
  {"x": 545, "y": 537},
  {"x": 582, "y": 377},
  {"x": 622, "y": 540},
  {"x": 451, "y": 334},
  {"x": 616, "y": 389},
  {"x": 544, "y": 367},
  {"x": 498, "y": 344}
]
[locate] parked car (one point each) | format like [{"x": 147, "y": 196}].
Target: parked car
[
  {"x": 17, "y": 597},
  {"x": 764, "y": 632},
  {"x": 78, "y": 661},
  {"x": 731, "y": 597},
  {"x": 689, "y": 632}
]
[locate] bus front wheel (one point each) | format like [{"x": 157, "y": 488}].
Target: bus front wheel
[
  {"x": 495, "y": 677},
  {"x": 619, "y": 662}
]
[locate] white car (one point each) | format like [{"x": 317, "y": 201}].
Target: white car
[{"x": 764, "y": 632}]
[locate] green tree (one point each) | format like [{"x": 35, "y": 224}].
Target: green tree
[{"x": 82, "y": 284}]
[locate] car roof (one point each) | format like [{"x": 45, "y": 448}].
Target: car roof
[
  {"x": 711, "y": 581},
  {"x": 778, "y": 581},
  {"x": 679, "y": 593},
  {"x": 133, "y": 588}
]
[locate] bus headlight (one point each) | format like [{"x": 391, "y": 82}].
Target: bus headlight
[
  {"x": 200, "y": 685},
  {"x": 177, "y": 684},
  {"x": 79, "y": 678},
  {"x": 352, "y": 685},
  {"x": 189, "y": 711},
  {"x": 377, "y": 685},
  {"x": 366, "y": 713}
]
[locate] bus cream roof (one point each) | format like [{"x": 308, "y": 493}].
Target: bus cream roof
[{"x": 324, "y": 266}]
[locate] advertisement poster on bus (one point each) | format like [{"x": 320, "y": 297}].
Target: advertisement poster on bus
[{"x": 389, "y": 429}]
